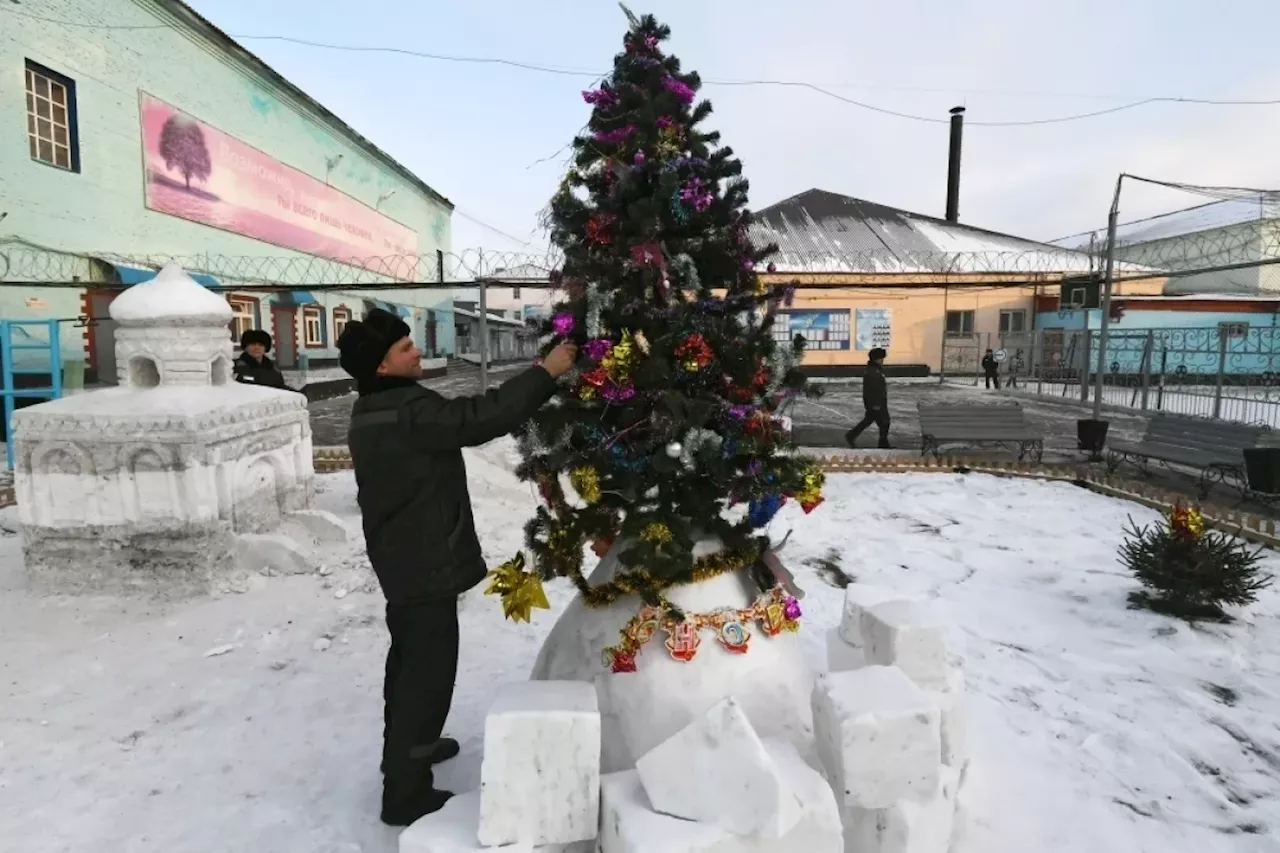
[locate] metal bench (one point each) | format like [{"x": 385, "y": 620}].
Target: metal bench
[
  {"x": 1215, "y": 449},
  {"x": 1005, "y": 425}
]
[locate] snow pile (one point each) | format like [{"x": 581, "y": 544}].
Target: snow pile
[
  {"x": 1092, "y": 727},
  {"x": 170, "y": 296}
]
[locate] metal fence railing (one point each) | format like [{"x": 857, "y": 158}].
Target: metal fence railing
[{"x": 1228, "y": 372}]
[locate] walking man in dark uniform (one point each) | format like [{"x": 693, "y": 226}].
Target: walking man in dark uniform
[
  {"x": 875, "y": 399},
  {"x": 406, "y": 446}
]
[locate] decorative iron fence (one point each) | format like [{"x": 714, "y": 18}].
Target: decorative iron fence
[{"x": 1229, "y": 372}]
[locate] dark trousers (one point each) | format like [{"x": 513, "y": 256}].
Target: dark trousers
[
  {"x": 879, "y": 417},
  {"x": 993, "y": 377},
  {"x": 422, "y": 665}
]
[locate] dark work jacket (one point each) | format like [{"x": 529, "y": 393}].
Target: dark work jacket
[
  {"x": 990, "y": 365},
  {"x": 250, "y": 371},
  {"x": 406, "y": 446},
  {"x": 875, "y": 392}
]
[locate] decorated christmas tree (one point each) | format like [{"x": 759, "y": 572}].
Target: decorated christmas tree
[{"x": 668, "y": 433}]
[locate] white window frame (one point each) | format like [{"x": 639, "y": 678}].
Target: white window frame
[
  {"x": 1009, "y": 314},
  {"x": 312, "y": 326},
  {"x": 43, "y": 130},
  {"x": 965, "y": 314},
  {"x": 341, "y": 317},
  {"x": 243, "y": 316},
  {"x": 1077, "y": 297}
]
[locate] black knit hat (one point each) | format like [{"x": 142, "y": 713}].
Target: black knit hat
[
  {"x": 364, "y": 345},
  {"x": 878, "y": 352},
  {"x": 255, "y": 336}
]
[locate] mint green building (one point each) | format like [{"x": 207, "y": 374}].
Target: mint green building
[{"x": 158, "y": 137}]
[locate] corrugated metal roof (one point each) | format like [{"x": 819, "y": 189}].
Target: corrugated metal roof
[{"x": 819, "y": 231}]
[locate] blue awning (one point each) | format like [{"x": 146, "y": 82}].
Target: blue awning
[
  {"x": 296, "y": 298},
  {"x": 399, "y": 310},
  {"x": 137, "y": 275}
]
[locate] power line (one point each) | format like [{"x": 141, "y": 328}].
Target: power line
[{"x": 799, "y": 84}]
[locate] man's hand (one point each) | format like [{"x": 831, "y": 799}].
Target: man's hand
[{"x": 561, "y": 359}]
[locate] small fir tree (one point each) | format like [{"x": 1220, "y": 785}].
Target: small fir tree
[
  {"x": 670, "y": 420},
  {"x": 1190, "y": 572}
]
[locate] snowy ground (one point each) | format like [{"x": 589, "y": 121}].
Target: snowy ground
[{"x": 251, "y": 723}]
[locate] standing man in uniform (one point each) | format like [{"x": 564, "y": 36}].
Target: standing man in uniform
[
  {"x": 406, "y": 447},
  {"x": 875, "y": 399}
]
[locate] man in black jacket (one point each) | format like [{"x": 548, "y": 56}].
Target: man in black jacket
[
  {"x": 875, "y": 399},
  {"x": 991, "y": 369},
  {"x": 406, "y": 445},
  {"x": 253, "y": 367}
]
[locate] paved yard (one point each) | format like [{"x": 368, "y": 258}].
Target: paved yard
[{"x": 822, "y": 423}]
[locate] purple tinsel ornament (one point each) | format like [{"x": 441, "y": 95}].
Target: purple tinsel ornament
[
  {"x": 563, "y": 324},
  {"x": 682, "y": 91},
  {"x": 740, "y": 413},
  {"x": 639, "y": 158},
  {"x": 651, "y": 42},
  {"x": 598, "y": 348},
  {"x": 616, "y": 135},
  {"x": 600, "y": 97},
  {"x": 618, "y": 393},
  {"x": 791, "y": 609}
]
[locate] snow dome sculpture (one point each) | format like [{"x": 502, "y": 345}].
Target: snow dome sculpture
[{"x": 142, "y": 487}]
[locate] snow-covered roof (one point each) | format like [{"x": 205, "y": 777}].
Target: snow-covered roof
[
  {"x": 171, "y": 298},
  {"x": 492, "y": 318},
  {"x": 1224, "y": 213},
  {"x": 819, "y": 231}
]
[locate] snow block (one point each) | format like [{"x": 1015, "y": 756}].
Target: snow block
[
  {"x": 717, "y": 771},
  {"x": 272, "y": 554},
  {"x": 953, "y": 704},
  {"x": 905, "y": 635},
  {"x": 630, "y": 825},
  {"x": 877, "y": 734},
  {"x": 540, "y": 776},
  {"x": 454, "y": 829},
  {"x": 858, "y": 597},
  {"x": 911, "y": 825},
  {"x": 842, "y": 657}
]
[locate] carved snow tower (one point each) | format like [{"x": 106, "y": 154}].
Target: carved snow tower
[{"x": 144, "y": 487}]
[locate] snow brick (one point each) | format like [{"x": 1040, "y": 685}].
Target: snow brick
[
  {"x": 842, "y": 657},
  {"x": 953, "y": 705},
  {"x": 454, "y": 829},
  {"x": 905, "y": 635},
  {"x": 540, "y": 776},
  {"x": 630, "y": 825},
  {"x": 717, "y": 771},
  {"x": 877, "y": 735},
  {"x": 857, "y": 598},
  {"x": 910, "y": 825}
]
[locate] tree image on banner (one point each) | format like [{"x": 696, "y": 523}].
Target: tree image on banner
[
  {"x": 666, "y": 434},
  {"x": 183, "y": 148}
]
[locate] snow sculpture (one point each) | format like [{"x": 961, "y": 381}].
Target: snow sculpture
[
  {"x": 142, "y": 487},
  {"x": 642, "y": 709}
]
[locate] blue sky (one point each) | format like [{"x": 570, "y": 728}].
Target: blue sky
[{"x": 476, "y": 133}]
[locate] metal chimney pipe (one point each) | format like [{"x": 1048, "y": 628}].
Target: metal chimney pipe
[{"x": 953, "y": 166}]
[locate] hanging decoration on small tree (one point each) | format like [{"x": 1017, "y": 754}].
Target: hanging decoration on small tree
[
  {"x": 671, "y": 418},
  {"x": 1188, "y": 571}
]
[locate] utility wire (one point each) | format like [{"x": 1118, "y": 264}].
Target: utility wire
[{"x": 797, "y": 84}]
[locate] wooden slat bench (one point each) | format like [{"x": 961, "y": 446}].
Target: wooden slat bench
[
  {"x": 1214, "y": 449},
  {"x": 968, "y": 424}
]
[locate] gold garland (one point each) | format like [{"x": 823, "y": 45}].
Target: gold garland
[{"x": 776, "y": 611}]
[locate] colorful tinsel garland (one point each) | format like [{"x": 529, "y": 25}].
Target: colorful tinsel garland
[{"x": 776, "y": 611}]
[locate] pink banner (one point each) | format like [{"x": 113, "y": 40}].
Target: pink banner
[{"x": 197, "y": 172}]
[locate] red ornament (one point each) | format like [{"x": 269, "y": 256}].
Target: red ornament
[
  {"x": 600, "y": 228},
  {"x": 623, "y": 662},
  {"x": 695, "y": 351},
  {"x": 648, "y": 255},
  {"x": 761, "y": 379},
  {"x": 683, "y": 642},
  {"x": 810, "y": 506},
  {"x": 596, "y": 377}
]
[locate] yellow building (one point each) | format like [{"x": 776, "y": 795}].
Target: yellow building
[{"x": 871, "y": 275}]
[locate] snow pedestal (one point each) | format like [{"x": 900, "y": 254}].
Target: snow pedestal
[
  {"x": 540, "y": 776},
  {"x": 142, "y": 487},
  {"x": 630, "y": 824},
  {"x": 640, "y": 710},
  {"x": 846, "y": 647},
  {"x": 455, "y": 829}
]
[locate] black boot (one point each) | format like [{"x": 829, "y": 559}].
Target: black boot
[
  {"x": 851, "y": 438},
  {"x": 439, "y": 752},
  {"x": 408, "y": 811}
]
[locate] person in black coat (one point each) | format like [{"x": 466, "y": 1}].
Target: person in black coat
[
  {"x": 991, "y": 369},
  {"x": 406, "y": 447},
  {"x": 253, "y": 367},
  {"x": 875, "y": 399}
]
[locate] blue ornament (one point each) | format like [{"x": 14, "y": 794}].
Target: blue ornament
[{"x": 762, "y": 510}]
